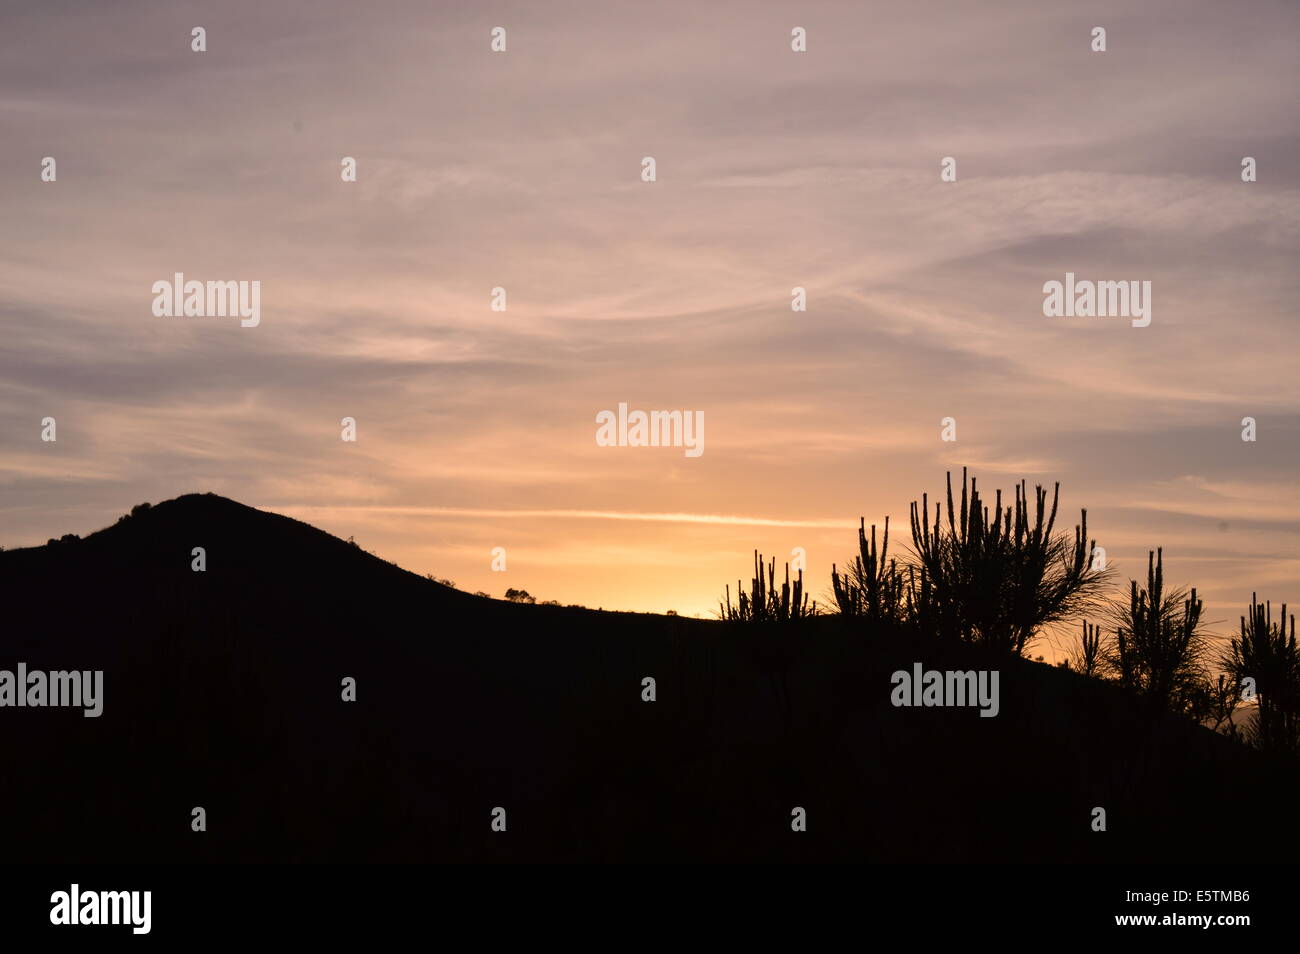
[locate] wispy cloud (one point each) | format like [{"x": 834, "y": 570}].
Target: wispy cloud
[
  {"x": 776, "y": 170},
  {"x": 720, "y": 519}
]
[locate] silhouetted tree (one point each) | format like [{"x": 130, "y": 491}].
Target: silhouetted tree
[
  {"x": 1159, "y": 644},
  {"x": 871, "y": 588},
  {"x": 520, "y": 596},
  {"x": 1266, "y": 653},
  {"x": 995, "y": 578},
  {"x": 1215, "y": 703},
  {"x": 763, "y": 603},
  {"x": 1089, "y": 658}
]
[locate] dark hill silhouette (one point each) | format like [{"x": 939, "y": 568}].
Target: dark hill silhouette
[{"x": 222, "y": 690}]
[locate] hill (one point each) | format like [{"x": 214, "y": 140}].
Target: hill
[{"x": 222, "y": 689}]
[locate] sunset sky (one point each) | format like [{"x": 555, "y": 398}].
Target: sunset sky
[{"x": 775, "y": 169}]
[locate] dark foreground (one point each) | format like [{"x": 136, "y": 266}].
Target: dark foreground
[{"x": 222, "y": 689}]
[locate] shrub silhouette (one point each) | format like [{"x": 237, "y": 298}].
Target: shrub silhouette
[
  {"x": 1216, "y": 704},
  {"x": 996, "y": 578},
  {"x": 520, "y": 596},
  {"x": 1267, "y": 653},
  {"x": 763, "y": 603},
  {"x": 1090, "y": 656},
  {"x": 1159, "y": 645},
  {"x": 870, "y": 588}
]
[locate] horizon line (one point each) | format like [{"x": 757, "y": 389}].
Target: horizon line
[{"x": 721, "y": 519}]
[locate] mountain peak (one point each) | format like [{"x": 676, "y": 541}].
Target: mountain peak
[{"x": 166, "y": 537}]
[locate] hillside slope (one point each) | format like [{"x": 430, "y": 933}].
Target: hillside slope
[{"x": 222, "y": 690}]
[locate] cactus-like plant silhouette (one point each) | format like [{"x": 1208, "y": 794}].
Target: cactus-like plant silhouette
[
  {"x": 764, "y": 603},
  {"x": 1090, "y": 656},
  {"x": 1266, "y": 653},
  {"x": 770, "y": 611},
  {"x": 1159, "y": 644},
  {"x": 870, "y": 587},
  {"x": 997, "y": 577}
]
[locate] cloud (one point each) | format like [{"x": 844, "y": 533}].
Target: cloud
[{"x": 776, "y": 170}]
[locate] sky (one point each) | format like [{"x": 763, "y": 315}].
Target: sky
[{"x": 774, "y": 169}]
